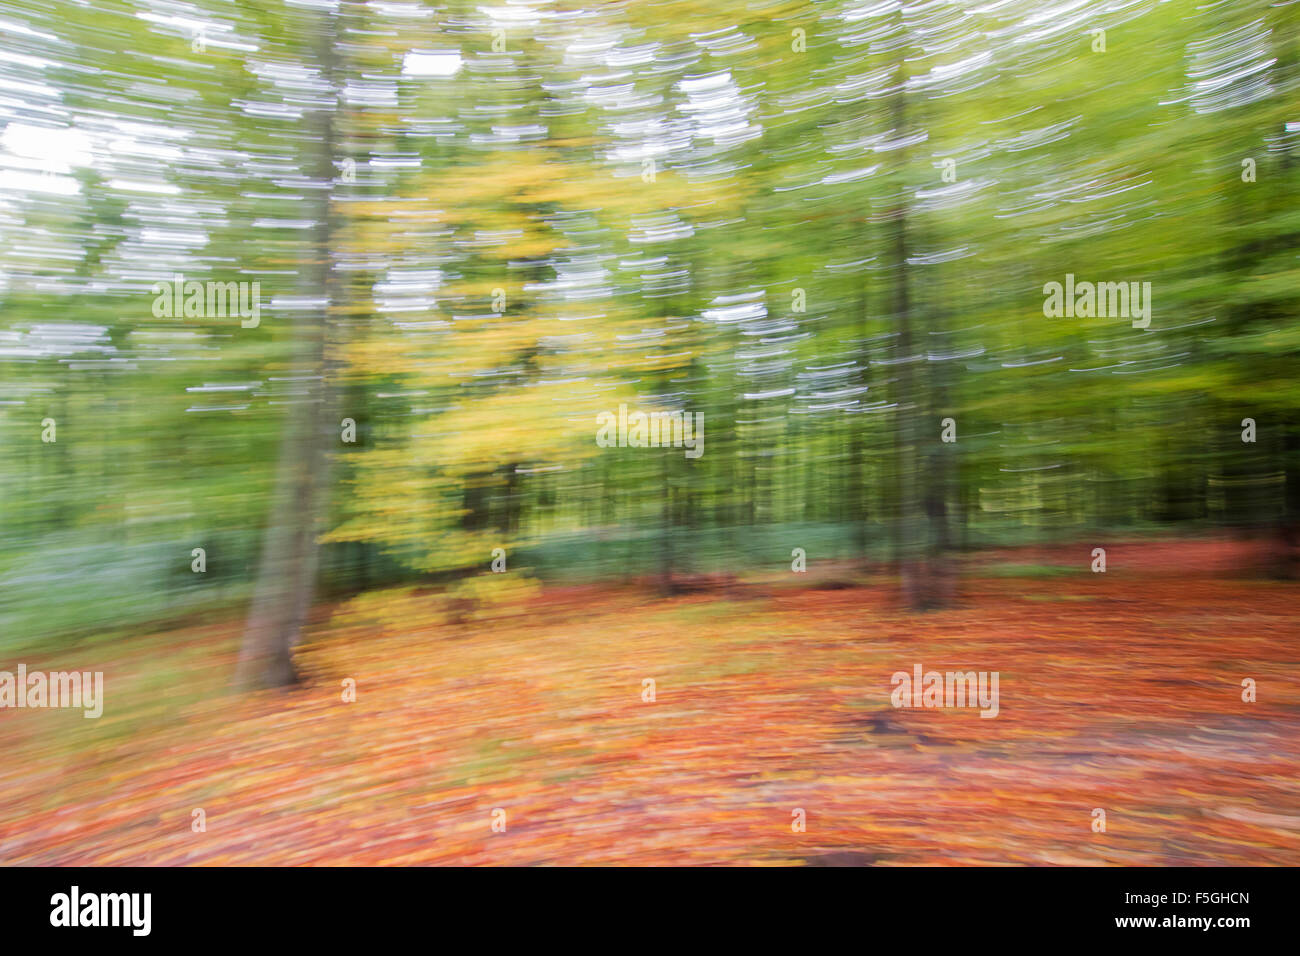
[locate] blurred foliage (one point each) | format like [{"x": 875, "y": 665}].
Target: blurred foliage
[{"x": 570, "y": 207}]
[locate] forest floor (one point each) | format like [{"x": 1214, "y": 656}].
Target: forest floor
[{"x": 1120, "y": 691}]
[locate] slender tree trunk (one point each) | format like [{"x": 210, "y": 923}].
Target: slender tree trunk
[
  {"x": 858, "y": 453},
  {"x": 908, "y": 541},
  {"x": 921, "y": 541},
  {"x": 290, "y": 553},
  {"x": 666, "y": 519}
]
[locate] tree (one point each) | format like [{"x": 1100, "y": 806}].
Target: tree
[{"x": 286, "y": 575}]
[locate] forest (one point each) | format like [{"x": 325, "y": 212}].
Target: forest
[{"x": 388, "y": 390}]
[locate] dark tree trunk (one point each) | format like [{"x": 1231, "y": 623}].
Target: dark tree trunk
[
  {"x": 290, "y": 552},
  {"x": 921, "y": 535}
]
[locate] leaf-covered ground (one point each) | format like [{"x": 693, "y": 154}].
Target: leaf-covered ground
[{"x": 1119, "y": 691}]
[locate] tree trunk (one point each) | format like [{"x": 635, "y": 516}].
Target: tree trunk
[
  {"x": 290, "y": 553},
  {"x": 921, "y": 531},
  {"x": 907, "y": 535}
]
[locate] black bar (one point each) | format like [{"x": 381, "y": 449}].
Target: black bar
[{"x": 952, "y": 907}]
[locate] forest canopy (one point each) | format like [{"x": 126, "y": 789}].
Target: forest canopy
[{"x": 309, "y": 298}]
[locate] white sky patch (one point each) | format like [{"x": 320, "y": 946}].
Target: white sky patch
[
  {"x": 24, "y": 182},
  {"x": 172, "y": 237},
  {"x": 407, "y": 290},
  {"x": 717, "y": 109},
  {"x": 12, "y": 26},
  {"x": 431, "y": 63},
  {"x": 51, "y": 149},
  {"x": 520, "y": 15},
  {"x": 134, "y": 147},
  {"x": 413, "y": 10},
  {"x": 214, "y": 33},
  {"x": 33, "y": 89},
  {"x": 40, "y": 159},
  {"x": 705, "y": 84},
  {"x": 139, "y": 186},
  {"x": 22, "y": 59}
]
